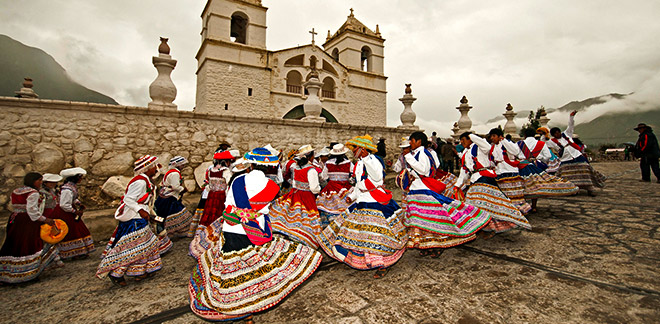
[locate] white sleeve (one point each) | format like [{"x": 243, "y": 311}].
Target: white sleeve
[
  {"x": 422, "y": 167},
  {"x": 374, "y": 169},
  {"x": 132, "y": 195},
  {"x": 571, "y": 126},
  {"x": 359, "y": 183},
  {"x": 545, "y": 154},
  {"x": 66, "y": 201},
  {"x": 34, "y": 211},
  {"x": 481, "y": 142},
  {"x": 280, "y": 176},
  {"x": 513, "y": 149},
  {"x": 397, "y": 167},
  {"x": 313, "y": 178},
  {"x": 173, "y": 180},
  {"x": 324, "y": 173},
  {"x": 463, "y": 178}
]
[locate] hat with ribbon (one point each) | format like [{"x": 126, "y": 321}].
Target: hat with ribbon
[
  {"x": 223, "y": 155},
  {"x": 304, "y": 150},
  {"x": 405, "y": 142},
  {"x": 70, "y": 172},
  {"x": 178, "y": 161},
  {"x": 339, "y": 149},
  {"x": 263, "y": 156},
  {"x": 324, "y": 152},
  {"x": 240, "y": 165},
  {"x": 145, "y": 163},
  {"x": 640, "y": 125},
  {"x": 49, "y": 177},
  {"x": 365, "y": 142}
]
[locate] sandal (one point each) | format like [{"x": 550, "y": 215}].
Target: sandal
[
  {"x": 381, "y": 272},
  {"x": 425, "y": 252},
  {"x": 141, "y": 277},
  {"x": 436, "y": 253},
  {"x": 118, "y": 281}
]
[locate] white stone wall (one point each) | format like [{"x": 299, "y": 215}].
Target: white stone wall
[{"x": 48, "y": 135}]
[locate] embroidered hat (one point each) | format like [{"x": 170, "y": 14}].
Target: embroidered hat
[
  {"x": 263, "y": 156},
  {"x": 54, "y": 234},
  {"x": 339, "y": 149},
  {"x": 261, "y": 190},
  {"x": 240, "y": 165},
  {"x": 405, "y": 142},
  {"x": 543, "y": 131},
  {"x": 272, "y": 149},
  {"x": 362, "y": 141},
  {"x": 303, "y": 150},
  {"x": 145, "y": 163},
  {"x": 72, "y": 172},
  {"x": 224, "y": 155},
  {"x": 178, "y": 161},
  {"x": 324, "y": 152},
  {"x": 49, "y": 177}
]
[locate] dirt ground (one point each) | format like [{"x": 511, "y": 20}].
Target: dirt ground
[{"x": 586, "y": 260}]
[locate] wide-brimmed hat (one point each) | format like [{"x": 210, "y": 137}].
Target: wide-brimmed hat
[
  {"x": 303, "y": 150},
  {"x": 641, "y": 125},
  {"x": 178, "y": 161},
  {"x": 223, "y": 155},
  {"x": 543, "y": 131},
  {"x": 405, "y": 142},
  {"x": 235, "y": 153},
  {"x": 49, "y": 177},
  {"x": 263, "y": 156},
  {"x": 272, "y": 149},
  {"x": 323, "y": 152},
  {"x": 365, "y": 142},
  {"x": 71, "y": 172},
  {"x": 145, "y": 163},
  {"x": 55, "y": 235},
  {"x": 339, "y": 149},
  {"x": 240, "y": 165}
]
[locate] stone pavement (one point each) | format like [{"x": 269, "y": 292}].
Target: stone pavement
[{"x": 587, "y": 260}]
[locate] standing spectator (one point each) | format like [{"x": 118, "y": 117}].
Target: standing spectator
[
  {"x": 434, "y": 141},
  {"x": 448, "y": 153},
  {"x": 647, "y": 150},
  {"x": 381, "y": 148},
  {"x": 626, "y": 153},
  {"x": 459, "y": 149}
]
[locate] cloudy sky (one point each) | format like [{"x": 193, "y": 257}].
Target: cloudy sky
[{"x": 528, "y": 53}]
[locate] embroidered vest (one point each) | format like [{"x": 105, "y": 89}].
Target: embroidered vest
[
  {"x": 300, "y": 180},
  {"x": 19, "y": 199},
  {"x": 338, "y": 172},
  {"x": 216, "y": 181}
]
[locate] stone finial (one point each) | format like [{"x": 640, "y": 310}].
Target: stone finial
[
  {"x": 457, "y": 131},
  {"x": 162, "y": 90},
  {"x": 543, "y": 120},
  {"x": 509, "y": 107},
  {"x": 464, "y": 123},
  {"x": 464, "y": 100},
  {"x": 327, "y": 38},
  {"x": 377, "y": 30},
  {"x": 26, "y": 91},
  {"x": 163, "y": 48},
  {"x": 408, "y": 116},
  {"x": 312, "y": 106},
  {"x": 510, "y": 126}
]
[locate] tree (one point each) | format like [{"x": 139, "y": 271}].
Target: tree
[{"x": 533, "y": 121}]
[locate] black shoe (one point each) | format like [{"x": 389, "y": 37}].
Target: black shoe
[{"x": 118, "y": 281}]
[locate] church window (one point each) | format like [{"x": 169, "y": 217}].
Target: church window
[
  {"x": 249, "y": 92},
  {"x": 328, "y": 89},
  {"x": 328, "y": 68},
  {"x": 294, "y": 82},
  {"x": 312, "y": 61},
  {"x": 335, "y": 54},
  {"x": 365, "y": 59},
  {"x": 226, "y": 106},
  {"x": 239, "y": 25},
  {"x": 295, "y": 61}
]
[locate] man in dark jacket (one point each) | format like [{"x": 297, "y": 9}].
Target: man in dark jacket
[
  {"x": 382, "y": 152},
  {"x": 647, "y": 150}
]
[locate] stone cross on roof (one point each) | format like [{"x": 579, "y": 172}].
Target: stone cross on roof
[{"x": 313, "y": 34}]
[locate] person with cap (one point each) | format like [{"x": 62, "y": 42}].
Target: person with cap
[
  {"x": 172, "y": 217},
  {"x": 50, "y": 192},
  {"x": 216, "y": 178},
  {"x": 134, "y": 250},
  {"x": 368, "y": 234},
  {"x": 337, "y": 171},
  {"x": 273, "y": 170},
  {"x": 506, "y": 155},
  {"x": 538, "y": 183},
  {"x": 574, "y": 166},
  {"x": 24, "y": 255},
  {"x": 478, "y": 175},
  {"x": 246, "y": 269},
  {"x": 295, "y": 214},
  {"x": 381, "y": 148},
  {"x": 435, "y": 222},
  {"x": 646, "y": 149},
  {"x": 223, "y": 146},
  {"x": 78, "y": 242}
]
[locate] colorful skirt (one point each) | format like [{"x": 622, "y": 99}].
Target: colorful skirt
[
  {"x": 366, "y": 236},
  {"x": 296, "y": 216},
  {"x": 579, "y": 172},
  {"x": 204, "y": 238},
  {"x": 513, "y": 186},
  {"x": 231, "y": 285},
  {"x": 78, "y": 240},
  {"x": 435, "y": 221},
  {"x": 177, "y": 217},
  {"x": 133, "y": 250},
  {"x": 213, "y": 208},
  {"x": 539, "y": 183},
  {"x": 504, "y": 215},
  {"x": 24, "y": 255},
  {"x": 332, "y": 203},
  {"x": 197, "y": 215},
  {"x": 449, "y": 180}
]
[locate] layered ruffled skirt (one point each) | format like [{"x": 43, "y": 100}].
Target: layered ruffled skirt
[
  {"x": 177, "y": 217},
  {"x": 78, "y": 241},
  {"x": 296, "y": 216},
  {"x": 513, "y": 186},
  {"x": 539, "y": 183},
  {"x": 133, "y": 250},
  {"x": 366, "y": 236},
  {"x": 331, "y": 203},
  {"x": 579, "y": 172},
  {"x": 504, "y": 215},
  {"x": 435, "y": 221}
]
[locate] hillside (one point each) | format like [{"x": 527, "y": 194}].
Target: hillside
[
  {"x": 50, "y": 79},
  {"x": 616, "y": 128}
]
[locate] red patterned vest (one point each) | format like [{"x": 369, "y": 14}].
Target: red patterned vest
[
  {"x": 300, "y": 180},
  {"x": 338, "y": 172}
]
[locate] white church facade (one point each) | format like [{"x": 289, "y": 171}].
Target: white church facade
[{"x": 238, "y": 76}]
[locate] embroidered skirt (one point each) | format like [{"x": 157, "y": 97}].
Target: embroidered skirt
[
  {"x": 197, "y": 216},
  {"x": 24, "y": 255},
  {"x": 296, "y": 216},
  {"x": 133, "y": 250},
  {"x": 215, "y": 205},
  {"x": 78, "y": 241},
  {"x": 580, "y": 173},
  {"x": 204, "y": 238},
  {"x": 332, "y": 203},
  {"x": 504, "y": 215},
  {"x": 177, "y": 216},
  {"x": 513, "y": 186},
  {"x": 232, "y": 285},
  {"x": 539, "y": 183},
  {"x": 366, "y": 236},
  {"x": 435, "y": 221}
]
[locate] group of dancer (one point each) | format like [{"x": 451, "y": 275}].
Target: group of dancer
[{"x": 261, "y": 222}]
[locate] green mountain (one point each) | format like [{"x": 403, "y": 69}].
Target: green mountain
[
  {"x": 616, "y": 128},
  {"x": 50, "y": 79}
]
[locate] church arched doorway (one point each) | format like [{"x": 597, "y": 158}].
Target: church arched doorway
[{"x": 298, "y": 112}]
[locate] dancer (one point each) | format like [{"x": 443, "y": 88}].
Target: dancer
[
  {"x": 216, "y": 179},
  {"x": 245, "y": 269},
  {"x": 50, "y": 193},
  {"x": 172, "y": 216},
  {"x": 369, "y": 234},
  {"x": 505, "y": 155},
  {"x": 331, "y": 201}
]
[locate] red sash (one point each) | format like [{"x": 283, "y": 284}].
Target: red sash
[
  {"x": 483, "y": 171},
  {"x": 570, "y": 142},
  {"x": 141, "y": 199}
]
